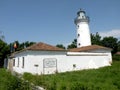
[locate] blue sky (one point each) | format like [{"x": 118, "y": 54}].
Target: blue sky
[{"x": 52, "y": 21}]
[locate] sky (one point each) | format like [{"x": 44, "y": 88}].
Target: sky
[{"x": 52, "y": 21}]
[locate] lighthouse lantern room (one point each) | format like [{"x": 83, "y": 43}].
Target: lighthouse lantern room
[{"x": 83, "y": 32}]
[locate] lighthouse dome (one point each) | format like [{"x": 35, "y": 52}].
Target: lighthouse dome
[{"x": 81, "y": 17}]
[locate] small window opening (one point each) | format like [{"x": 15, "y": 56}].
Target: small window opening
[
  {"x": 83, "y": 17},
  {"x": 18, "y": 62},
  {"x": 74, "y": 65},
  {"x": 23, "y": 61},
  {"x": 13, "y": 62}
]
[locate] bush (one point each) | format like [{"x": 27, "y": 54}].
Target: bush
[{"x": 116, "y": 57}]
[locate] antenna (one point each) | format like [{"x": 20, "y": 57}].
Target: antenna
[{"x": 2, "y": 37}]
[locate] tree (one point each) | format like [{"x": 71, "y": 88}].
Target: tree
[
  {"x": 118, "y": 45},
  {"x": 27, "y": 43},
  {"x": 20, "y": 46},
  {"x": 4, "y": 51},
  {"x": 110, "y": 42},
  {"x": 73, "y": 44},
  {"x": 96, "y": 39},
  {"x": 60, "y": 46}
]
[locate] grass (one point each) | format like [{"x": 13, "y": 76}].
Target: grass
[
  {"x": 106, "y": 78},
  {"x": 10, "y": 82}
]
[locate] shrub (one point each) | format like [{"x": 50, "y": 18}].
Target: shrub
[{"x": 116, "y": 57}]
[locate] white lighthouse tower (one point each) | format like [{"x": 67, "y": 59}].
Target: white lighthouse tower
[{"x": 83, "y": 32}]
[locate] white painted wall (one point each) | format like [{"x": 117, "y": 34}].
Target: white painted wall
[
  {"x": 83, "y": 34},
  {"x": 103, "y": 51},
  {"x": 66, "y": 61}
]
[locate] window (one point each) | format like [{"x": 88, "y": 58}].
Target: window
[
  {"x": 18, "y": 62},
  {"x": 78, "y": 35},
  {"x": 83, "y": 17},
  {"x": 23, "y": 62},
  {"x": 13, "y": 62},
  {"x": 74, "y": 65}
]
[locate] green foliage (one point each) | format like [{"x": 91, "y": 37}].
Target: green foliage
[
  {"x": 20, "y": 46},
  {"x": 60, "y": 46},
  {"x": 73, "y": 44},
  {"x": 96, "y": 39},
  {"x": 10, "y": 82},
  {"x": 118, "y": 45},
  {"x": 4, "y": 51},
  {"x": 110, "y": 42},
  {"x": 116, "y": 57},
  {"x": 106, "y": 78}
]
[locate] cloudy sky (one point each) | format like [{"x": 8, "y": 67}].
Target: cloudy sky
[{"x": 52, "y": 21}]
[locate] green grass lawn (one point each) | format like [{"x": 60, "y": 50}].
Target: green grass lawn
[
  {"x": 10, "y": 82},
  {"x": 106, "y": 78}
]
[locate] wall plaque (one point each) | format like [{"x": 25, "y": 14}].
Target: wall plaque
[{"x": 50, "y": 62}]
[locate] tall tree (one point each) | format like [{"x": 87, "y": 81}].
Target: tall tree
[
  {"x": 4, "y": 51},
  {"x": 119, "y": 46},
  {"x": 111, "y": 42},
  {"x": 96, "y": 39}
]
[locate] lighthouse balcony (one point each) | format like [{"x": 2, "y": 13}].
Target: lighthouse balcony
[{"x": 81, "y": 20}]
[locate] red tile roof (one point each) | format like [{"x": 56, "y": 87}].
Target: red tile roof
[
  {"x": 88, "y": 48},
  {"x": 41, "y": 47},
  {"x": 44, "y": 47}
]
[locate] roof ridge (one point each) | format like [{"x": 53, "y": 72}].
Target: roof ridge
[
  {"x": 87, "y": 48},
  {"x": 43, "y": 46}
]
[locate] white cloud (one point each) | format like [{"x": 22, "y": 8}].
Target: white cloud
[{"x": 114, "y": 33}]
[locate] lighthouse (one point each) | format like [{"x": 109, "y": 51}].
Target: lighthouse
[{"x": 83, "y": 31}]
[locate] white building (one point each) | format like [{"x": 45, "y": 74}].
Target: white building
[
  {"x": 83, "y": 32},
  {"x": 42, "y": 58}
]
